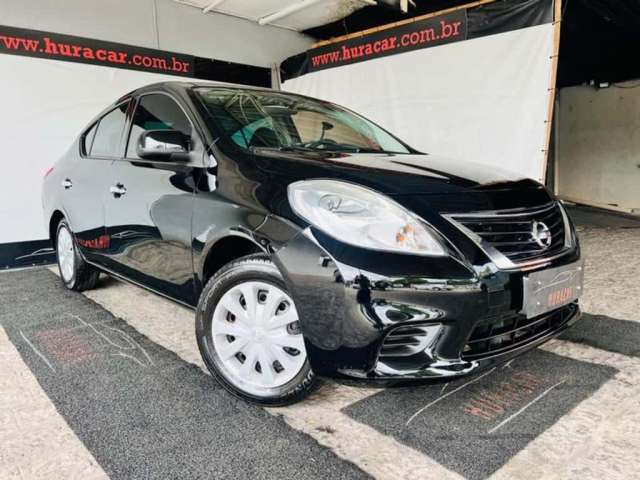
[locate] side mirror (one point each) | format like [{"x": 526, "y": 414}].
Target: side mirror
[{"x": 163, "y": 145}]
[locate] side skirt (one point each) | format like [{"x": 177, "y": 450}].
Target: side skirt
[{"x": 137, "y": 284}]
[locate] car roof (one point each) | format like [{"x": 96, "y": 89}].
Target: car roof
[
  {"x": 185, "y": 85},
  {"x": 176, "y": 86}
]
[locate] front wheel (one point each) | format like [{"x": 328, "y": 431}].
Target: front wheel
[
  {"x": 249, "y": 335},
  {"x": 76, "y": 274}
]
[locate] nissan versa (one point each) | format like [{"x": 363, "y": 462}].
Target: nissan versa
[{"x": 309, "y": 241}]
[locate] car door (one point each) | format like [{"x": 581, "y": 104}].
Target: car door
[
  {"x": 150, "y": 203},
  {"x": 85, "y": 184}
]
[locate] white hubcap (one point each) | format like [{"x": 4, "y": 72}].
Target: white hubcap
[
  {"x": 66, "y": 255},
  {"x": 256, "y": 336}
]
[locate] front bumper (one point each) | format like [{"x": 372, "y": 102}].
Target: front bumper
[{"x": 362, "y": 314}]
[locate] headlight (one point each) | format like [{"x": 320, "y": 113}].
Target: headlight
[{"x": 362, "y": 217}]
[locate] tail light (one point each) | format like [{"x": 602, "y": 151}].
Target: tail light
[{"x": 49, "y": 170}]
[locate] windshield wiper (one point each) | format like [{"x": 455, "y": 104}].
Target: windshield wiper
[
  {"x": 293, "y": 148},
  {"x": 334, "y": 149},
  {"x": 286, "y": 148},
  {"x": 330, "y": 146}
]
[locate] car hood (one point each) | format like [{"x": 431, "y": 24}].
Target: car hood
[{"x": 449, "y": 184}]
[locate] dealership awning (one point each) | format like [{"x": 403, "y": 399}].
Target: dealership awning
[
  {"x": 600, "y": 38},
  {"x": 292, "y": 14}
]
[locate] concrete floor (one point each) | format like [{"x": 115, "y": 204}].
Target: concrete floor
[{"x": 110, "y": 385}]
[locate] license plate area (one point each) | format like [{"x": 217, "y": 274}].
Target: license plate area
[{"x": 549, "y": 289}]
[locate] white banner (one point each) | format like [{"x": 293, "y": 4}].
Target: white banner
[
  {"x": 483, "y": 100},
  {"x": 45, "y": 105}
]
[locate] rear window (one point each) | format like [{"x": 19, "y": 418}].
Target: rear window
[
  {"x": 87, "y": 139},
  {"x": 106, "y": 141}
]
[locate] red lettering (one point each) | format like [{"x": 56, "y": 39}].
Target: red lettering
[
  {"x": 10, "y": 42},
  {"x": 50, "y": 47},
  {"x": 177, "y": 65},
  {"x": 64, "y": 49},
  {"x": 427, "y": 35},
  {"x": 345, "y": 53},
  {"x": 14, "y": 43},
  {"x": 446, "y": 29}
]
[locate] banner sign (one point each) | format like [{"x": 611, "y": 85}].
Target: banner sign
[
  {"x": 426, "y": 33},
  {"x": 55, "y": 46},
  {"x": 455, "y": 26}
]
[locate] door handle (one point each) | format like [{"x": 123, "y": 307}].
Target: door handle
[
  {"x": 66, "y": 183},
  {"x": 118, "y": 190}
]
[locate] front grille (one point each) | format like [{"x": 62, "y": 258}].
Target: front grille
[
  {"x": 492, "y": 336},
  {"x": 408, "y": 340},
  {"x": 511, "y": 233}
]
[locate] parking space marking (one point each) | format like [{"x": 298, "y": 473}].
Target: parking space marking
[
  {"x": 599, "y": 438},
  {"x": 36, "y": 441},
  {"x": 37, "y": 352},
  {"x": 379, "y": 455},
  {"x": 597, "y": 441},
  {"x": 442, "y": 397},
  {"x": 454, "y": 432},
  {"x": 171, "y": 421},
  {"x": 539, "y": 397},
  {"x": 320, "y": 416},
  {"x": 131, "y": 343}
]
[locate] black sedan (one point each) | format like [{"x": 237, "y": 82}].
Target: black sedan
[{"x": 309, "y": 241}]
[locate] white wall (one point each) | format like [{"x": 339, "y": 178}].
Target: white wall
[
  {"x": 482, "y": 100},
  {"x": 169, "y": 26},
  {"x": 45, "y": 103},
  {"x": 598, "y": 152}
]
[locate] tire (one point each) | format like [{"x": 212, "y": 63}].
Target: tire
[
  {"x": 75, "y": 272},
  {"x": 273, "y": 339}
]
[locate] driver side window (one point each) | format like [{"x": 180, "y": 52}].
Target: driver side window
[{"x": 156, "y": 112}]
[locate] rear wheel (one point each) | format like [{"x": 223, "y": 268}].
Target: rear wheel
[
  {"x": 76, "y": 274},
  {"x": 249, "y": 334}
]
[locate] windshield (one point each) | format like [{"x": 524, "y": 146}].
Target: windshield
[{"x": 263, "y": 119}]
